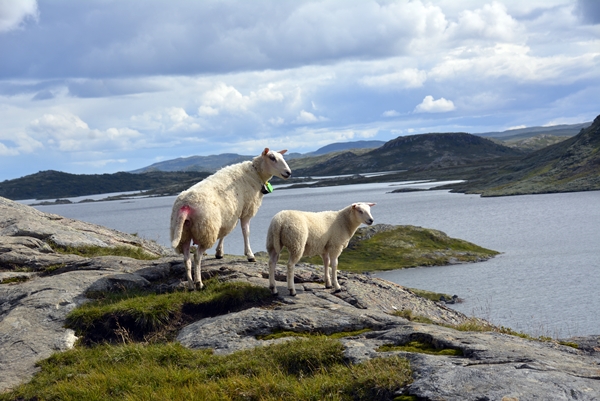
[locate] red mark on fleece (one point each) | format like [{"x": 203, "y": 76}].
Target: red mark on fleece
[{"x": 185, "y": 210}]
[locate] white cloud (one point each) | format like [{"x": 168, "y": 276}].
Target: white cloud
[
  {"x": 306, "y": 117},
  {"x": 390, "y": 113},
  {"x": 170, "y": 119},
  {"x": 406, "y": 78},
  {"x": 491, "y": 22},
  {"x": 14, "y": 12},
  {"x": 68, "y": 133},
  {"x": 428, "y": 105}
]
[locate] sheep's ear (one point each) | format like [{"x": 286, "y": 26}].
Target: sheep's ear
[
  {"x": 354, "y": 205},
  {"x": 282, "y": 151},
  {"x": 264, "y": 153},
  {"x": 371, "y": 204}
]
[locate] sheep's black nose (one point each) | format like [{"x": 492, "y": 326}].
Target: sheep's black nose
[
  {"x": 369, "y": 222},
  {"x": 287, "y": 174}
]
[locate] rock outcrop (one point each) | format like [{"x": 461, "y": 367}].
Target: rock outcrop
[{"x": 490, "y": 365}]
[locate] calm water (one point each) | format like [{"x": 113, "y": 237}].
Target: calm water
[{"x": 545, "y": 282}]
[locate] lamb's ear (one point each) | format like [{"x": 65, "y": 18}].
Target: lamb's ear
[
  {"x": 264, "y": 153},
  {"x": 371, "y": 204},
  {"x": 282, "y": 151},
  {"x": 354, "y": 205}
]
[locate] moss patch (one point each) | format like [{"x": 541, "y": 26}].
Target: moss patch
[
  {"x": 420, "y": 347},
  {"x": 135, "y": 252}
]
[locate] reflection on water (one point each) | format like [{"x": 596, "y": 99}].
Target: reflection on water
[{"x": 543, "y": 283}]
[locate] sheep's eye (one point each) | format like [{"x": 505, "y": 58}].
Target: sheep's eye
[{"x": 272, "y": 157}]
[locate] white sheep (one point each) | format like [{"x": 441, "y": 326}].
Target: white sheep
[
  {"x": 309, "y": 234},
  {"x": 209, "y": 210}
]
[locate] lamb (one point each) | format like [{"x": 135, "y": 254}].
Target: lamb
[
  {"x": 209, "y": 210},
  {"x": 309, "y": 234}
]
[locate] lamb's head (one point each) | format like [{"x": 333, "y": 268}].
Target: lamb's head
[
  {"x": 362, "y": 212},
  {"x": 274, "y": 165}
]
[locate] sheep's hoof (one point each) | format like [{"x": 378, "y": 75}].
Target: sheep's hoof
[
  {"x": 218, "y": 256},
  {"x": 337, "y": 291},
  {"x": 292, "y": 293},
  {"x": 252, "y": 259},
  {"x": 328, "y": 287},
  {"x": 199, "y": 285}
]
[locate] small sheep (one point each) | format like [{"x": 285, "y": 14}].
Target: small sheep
[
  {"x": 209, "y": 210},
  {"x": 309, "y": 234}
]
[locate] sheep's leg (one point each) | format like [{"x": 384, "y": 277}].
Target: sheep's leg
[
  {"x": 273, "y": 258},
  {"x": 187, "y": 261},
  {"x": 245, "y": 223},
  {"x": 219, "y": 252},
  {"x": 197, "y": 271},
  {"x": 334, "y": 265},
  {"x": 327, "y": 277}
]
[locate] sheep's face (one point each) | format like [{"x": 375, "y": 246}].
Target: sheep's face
[
  {"x": 275, "y": 165},
  {"x": 363, "y": 212}
]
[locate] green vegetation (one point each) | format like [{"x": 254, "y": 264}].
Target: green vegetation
[
  {"x": 283, "y": 334},
  {"x": 306, "y": 369},
  {"x": 55, "y": 184},
  {"x": 151, "y": 317},
  {"x": 135, "y": 252},
  {"x": 14, "y": 279},
  {"x": 421, "y": 347},
  {"x": 430, "y": 295},
  {"x": 409, "y": 315},
  {"x": 406, "y": 246}
]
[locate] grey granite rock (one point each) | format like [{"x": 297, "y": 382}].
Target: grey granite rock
[{"x": 492, "y": 366}]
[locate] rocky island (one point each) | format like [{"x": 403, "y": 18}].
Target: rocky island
[{"x": 48, "y": 274}]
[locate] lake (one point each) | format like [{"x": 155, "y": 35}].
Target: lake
[{"x": 545, "y": 282}]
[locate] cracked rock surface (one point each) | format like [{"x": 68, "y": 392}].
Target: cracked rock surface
[{"x": 491, "y": 366}]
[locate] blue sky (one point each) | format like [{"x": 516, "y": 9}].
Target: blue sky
[{"x": 101, "y": 86}]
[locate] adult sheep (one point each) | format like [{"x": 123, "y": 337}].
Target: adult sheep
[
  {"x": 210, "y": 209},
  {"x": 309, "y": 234}
]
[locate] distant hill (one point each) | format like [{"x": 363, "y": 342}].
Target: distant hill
[
  {"x": 52, "y": 184},
  {"x": 553, "y": 130},
  {"x": 195, "y": 163},
  {"x": 338, "y": 146},
  {"x": 423, "y": 151},
  {"x": 214, "y": 162},
  {"x": 571, "y": 165}
]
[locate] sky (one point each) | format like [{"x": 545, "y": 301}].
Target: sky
[{"x": 100, "y": 86}]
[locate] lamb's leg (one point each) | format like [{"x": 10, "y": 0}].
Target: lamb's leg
[
  {"x": 197, "y": 271},
  {"x": 219, "y": 252},
  {"x": 245, "y": 223},
  {"x": 326, "y": 260},
  {"x": 273, "y": 258},
  {"x": 334, "y": 265},
  {"x": 294, "y": 258},
  {"x": 187, "y": 261}
]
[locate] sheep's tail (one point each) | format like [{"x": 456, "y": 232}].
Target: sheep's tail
[{"x": 177, "y": 226}]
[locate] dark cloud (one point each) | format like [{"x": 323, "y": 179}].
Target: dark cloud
[
  {"x": 588, "y": 11},
  {"x": 100, "y": 39}
]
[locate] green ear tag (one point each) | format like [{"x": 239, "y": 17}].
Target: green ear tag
[{"x": 267, "y": 188}]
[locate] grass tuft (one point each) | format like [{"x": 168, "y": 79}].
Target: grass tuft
[
  {"x": 145, "y": 316},
  {"x": 134, "y": 252},
  {"x": 420, "y": 347},
  {"x": 307, "y": 369}
]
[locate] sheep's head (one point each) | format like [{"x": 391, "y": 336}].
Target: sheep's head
[
  {"x": 275, "y": 165},
  {"x": 363, "y": 211}
]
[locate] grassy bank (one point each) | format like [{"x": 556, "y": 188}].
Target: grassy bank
[{"x": 399, "y": 247}]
